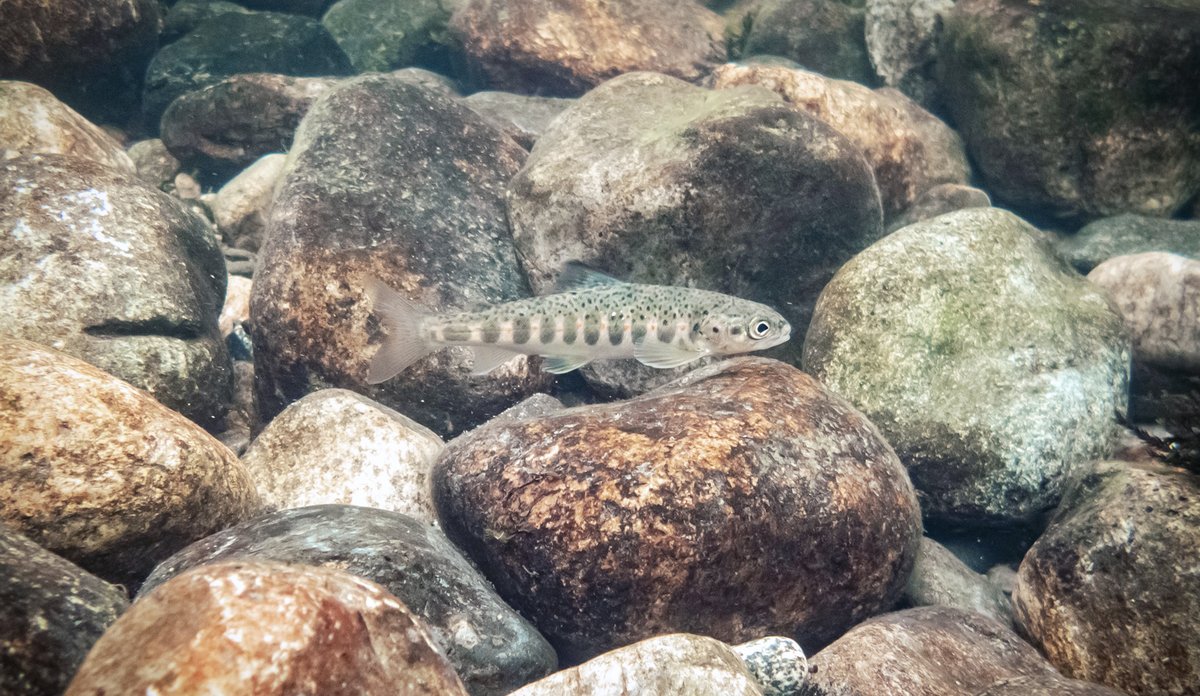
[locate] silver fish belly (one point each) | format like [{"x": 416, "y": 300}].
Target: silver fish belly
[{"x": 595, "y": 317}]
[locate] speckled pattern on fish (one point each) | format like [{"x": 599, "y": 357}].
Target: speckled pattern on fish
[{"x": 594, "y": 317}]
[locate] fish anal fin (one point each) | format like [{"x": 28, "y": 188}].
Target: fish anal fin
[
  {"x": 578, "y": 276},
  {"x": 664, "y": 355},
  {"x": 561, "y": 364},
  {"x": 488, "y": 359}
]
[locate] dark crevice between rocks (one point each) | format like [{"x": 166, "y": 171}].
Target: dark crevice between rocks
[{"x": 156, "y": 326}]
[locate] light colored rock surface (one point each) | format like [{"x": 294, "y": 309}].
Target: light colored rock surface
[
  {"x": 777, "y": 664},
  {"x": 335, "y": 446},
  {"x": 101, "y": 473},
  {"x": 990, "y": 365},
  {"x": 237, "y": 304},
  {"x": 33, "y": 121},
  {"x": 939, "y": 200},
  {"x": 242, "y": 206},
  {"x": 102, "y": 266},
  {"x": 1158, "y": 295},
  {"x": 155, "y": 164},
  {"x": 909, "y": 149},
  {"x": 939, "y": 578},
  {"x": 269, "y": 629},
  {"x": 522, "y": 117},
  {"x": 670, "y": 665}
]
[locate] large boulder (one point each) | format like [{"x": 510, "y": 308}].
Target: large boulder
[
  {"x": 397, "y": 181},
  {"x": 235, "y": 42},
  {"x": 1123, "y": 235},
  {"x": 102, "y": 474},
  {"x": 990, "y": 365},
  {"x": 566, "y": 47},
  {"x": 709, "y": 506},
  {"x": 335, "y": 446},
  {"x": 92, "y": 55},
  {"x": 51, "y": 612},
  {"x": 1111, "y": 591},
  {"x": 658, "y": 181},
  {"x": 382, "y": 36},
  {"x": 225, "y": 127},
  {"x": 102, "y": 266},
  {"x": 33, "y": 121},
  {"x": 271, "y": 628},
  {"x": 1126, "y": 139},
  {"x": 825, "y": 36},
  {"x": 909, "y": 149},
  {"x": 492, "y": 648},
  {"x": 932, "y": 651}
]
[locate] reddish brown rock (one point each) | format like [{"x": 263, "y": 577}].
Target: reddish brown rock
[
  {"x": 1051, "y": 684},
  {"x": 33, "y": 121},
  {"x": 931, "y": 651},
  {"x": 266, "y": 628},
  {"x": 99, "y": 472},
  {"x": 566, "y": 47},
  {"x": 742, "y": 500},
  {"x": 909, "y": 149},
  {"x": 1111, "y": 590}
]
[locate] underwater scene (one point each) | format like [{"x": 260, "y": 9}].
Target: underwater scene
[{"x": 600, "y": 347}]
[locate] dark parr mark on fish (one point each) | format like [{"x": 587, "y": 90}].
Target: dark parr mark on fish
[
  {"x": 456, "y": 332},
  {"x": 491, "y": 332},
  {"x": 547, "y": 333},
  {"x": 520, "y": 330}
]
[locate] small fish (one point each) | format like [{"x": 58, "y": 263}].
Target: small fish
[{"x": 592, "y": 316}]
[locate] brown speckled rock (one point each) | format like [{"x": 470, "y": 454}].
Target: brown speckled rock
[
  {"x": 33, "y": 121},
  {"x": 909, "y": 149},
  {"x": 335, "y": 446},
  {"x": 51, "y": 612},
  {"x": 931, "y": 651},
  {"x": 224, "y": 128},
  {"x": 1051, "y": 684},
  {"x": 1111, "y": 590},
  {"x": 267, "y": 629},
  {"x": 565, "y": 47},
  {"x": 1158, "y": 296},
  {"x": 422, "y": 209},
  {"x": 742, "y": 500},
  {"x": 672, "y": 665},
  {"x": 101, "y": 473}
]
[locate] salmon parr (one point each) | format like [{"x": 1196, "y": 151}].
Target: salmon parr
[{"x": 591, "y": 317}]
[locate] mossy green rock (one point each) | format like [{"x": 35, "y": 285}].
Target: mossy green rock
[
  {"x": 381, "y": 36},
  {"x": 1124, "y": 140},
  {"x": 990, "y": 365}
]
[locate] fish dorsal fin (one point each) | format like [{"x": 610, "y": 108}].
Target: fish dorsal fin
[
  {"x": 561, "y": 364},
  {"x": 488, "y": 359},
  {"x": 577, "y": 276},
  {"x": 663, "y": 355}
]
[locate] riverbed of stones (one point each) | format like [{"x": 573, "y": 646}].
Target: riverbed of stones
[{"x": 937, "y": 487}]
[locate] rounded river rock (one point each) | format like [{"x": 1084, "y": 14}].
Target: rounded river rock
[{"x": 742, "y": 500}]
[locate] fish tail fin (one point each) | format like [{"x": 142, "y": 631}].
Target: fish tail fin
[{"x": 402, "y": 345}]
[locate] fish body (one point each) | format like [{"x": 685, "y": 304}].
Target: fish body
[{"x": 593, "y": 317}]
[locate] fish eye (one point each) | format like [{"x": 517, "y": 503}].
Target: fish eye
[{"x": 759, "y": 328}]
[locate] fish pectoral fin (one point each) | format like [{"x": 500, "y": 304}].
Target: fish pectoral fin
[
  {"x": 664, "y": 355},
  {"x": 488, "y": 359},
  {"x": 560, "y": 364}
]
